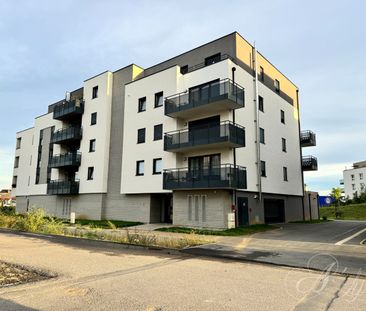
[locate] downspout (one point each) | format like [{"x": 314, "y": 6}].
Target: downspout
[
  {"x": 256, "y": 121},
  {"x": 309, "y": 196},
  {"x": 234, "y": 149},
  {"x": 302, "y": 173}
]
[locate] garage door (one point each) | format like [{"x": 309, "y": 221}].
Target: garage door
[{"x": 274, "y": 210}]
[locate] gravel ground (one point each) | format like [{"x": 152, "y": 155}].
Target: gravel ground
[{"x": 11, "y": 274}]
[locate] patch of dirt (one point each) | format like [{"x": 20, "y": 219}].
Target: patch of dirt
[{"x": 12, "y": 274}]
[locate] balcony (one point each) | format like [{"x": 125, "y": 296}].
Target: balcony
[
  {"x": 225, "y": 176},
  {"x": 341, "y": 182},
  {"x": 309, "y": 163},
  {"x": 199, "y": 101},
  {"x": 307, "y": 139},
  {"x": 69, "y": 110},
  {"x": 225, "y": 134},
  {"x": 70, "y": 159},
  {"x": 67, "y": 135},
  {"x": 62, "y": 187}
]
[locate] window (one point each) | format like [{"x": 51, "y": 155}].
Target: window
[
  {"x": 19, "y": 142},
  {"x": 261, "y": 73},
  {"x": 157, "y": 166},
  {"x": 260, "y": 103},
  {"x": 284, "y": 148},
  {"x": 158, "y": 132},
  {"x": 277, "y": 86},
  {"x": 14, "y": 183},
  {"x": 353, "y": 177},
  {"x": 16, "y": 162},
  {"x": 141, "y": 135},
  {"x": 362, "y": 186},
  {"x": 140, "y": 168},
  {"x": 263, "y": 169},
  {"x": 361, "y": 176},
  {"x": 261, "y": 135},
  {"x": 282, "y": 117},
  {"x": 159, "y": 99},
  {"x": 353, "y": 187},
  {"x": 142, "y": 104},
  {"x": 212, "y": 59},
  {"x": 285, "y": 173},
  {"x": 92, "y": 145},
  {"x": 91, "y": 173},
  {"x": 95, "y": 92},
  {"x": 93, "y": 118},
  {"x": 184, "y": 69}
]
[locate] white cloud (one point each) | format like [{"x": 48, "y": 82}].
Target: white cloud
[{"x": 6, "y": 167}]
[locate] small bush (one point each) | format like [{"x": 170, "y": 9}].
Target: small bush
[
  {"x": 32, "y": 221},
  {"x": 7, "y": 210},
  {"x": 325, "y": 218},
  {"x": 111, "y": 225}
]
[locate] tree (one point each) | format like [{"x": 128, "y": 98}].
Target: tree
[{"x": 336, "y": 195}]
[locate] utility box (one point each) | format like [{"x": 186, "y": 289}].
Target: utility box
[
  {"x": 231, "y": 220},
  {"x": 72, "y": 217}
]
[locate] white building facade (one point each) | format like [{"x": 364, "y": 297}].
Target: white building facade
[
  {"x": 354, "y": 180},
  {"x": 209, "y": 134}
]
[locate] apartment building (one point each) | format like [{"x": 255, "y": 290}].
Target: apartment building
[
  {"x": 206, "y": 136},
  {"x": 354, "y": 180}
]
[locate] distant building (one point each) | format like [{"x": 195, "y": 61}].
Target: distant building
[{"x": 354, "y": 179}]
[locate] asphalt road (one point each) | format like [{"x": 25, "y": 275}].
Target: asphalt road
[
  {"x": 327, "y": 246},
  {"x": 104, "y": 276}
]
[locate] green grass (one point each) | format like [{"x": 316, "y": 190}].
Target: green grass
[
  {"x": 228, "y": 232},
  {"x": 348, "y": 212},
  {"x": 105, "y": 224},
  {"x": 314, "y": 221}
]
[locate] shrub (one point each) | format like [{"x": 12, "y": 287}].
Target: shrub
[
  {"x": 7, "y": 210},
  {"x": 325, "y": 218},
  {"x": 111, "y": 225}
]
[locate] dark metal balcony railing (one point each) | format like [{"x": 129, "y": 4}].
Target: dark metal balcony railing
[
  {"x": 309, "y": 163},
  {"x": 68, "y": 109},
  {"x": 65, "y": 160},
  {"x": 204, "y": 64},
  {"x": 223, "y": 176},
  {"x": 224, "y": 132},
  {"x": 67, "y": 134},
  {"x": 307, "y": 139},
  {"x": 211, "y": 93},
  {"x": 63, "y": 187}
]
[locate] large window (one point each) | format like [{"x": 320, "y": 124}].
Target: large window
[
  {"x": 159, "y": 99},
  {"x": 157, "y": 166},
  {"x": 92, "y": 145},
  {"x": 14, "y": 184},
  {"x": 93, "y": 118},
  {"x": 19, "y": 142},
  {"x": 284, "y": 147},
  {"x": 158, "y": 132},
  {"x": 91, "y": 173},
  {"x": 95, "y": 92},
  {"x": 141, "y": 135},
  {"x": 261, "y": 136},
  {"x": 140, "y": 168},
  {"x": 16, "y": 162},
  {"x": 142, "y": 104},
  {"x": 184, "y": 69},
  {"x": 277, "y": 86},
  {"x": 263, "y": 169},
  {"x": 261, "y": 73},
  {"x": 212, "y": 59}
]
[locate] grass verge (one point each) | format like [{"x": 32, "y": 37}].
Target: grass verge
[
  {"x": 347, "y": 212},
  {"x": 106, "y": 224},
  {"x": 228, "y": 232},
  {"x": 314, "y": 221}
]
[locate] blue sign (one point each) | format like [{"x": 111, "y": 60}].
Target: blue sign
[{"x": 325, "y": 200}]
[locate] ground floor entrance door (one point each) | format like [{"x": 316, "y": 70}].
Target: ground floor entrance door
[{"x": 243, "y": 218}]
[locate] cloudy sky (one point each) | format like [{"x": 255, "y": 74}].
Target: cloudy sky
[{"x": 49, "y": 47}]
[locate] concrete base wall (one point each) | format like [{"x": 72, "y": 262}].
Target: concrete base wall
[{"x": 311, "y": 205}]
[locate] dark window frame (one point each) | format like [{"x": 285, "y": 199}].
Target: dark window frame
[
  {"x": 141, "y": 102},
  {"x": 93, "y": 118},
  {"x": 284, "y": 145},
  {"x": 92, "y": 145},
  {"x": 212, "y": 59},
  {"x": 263, "y": 169},
  {"x": 184, "y": 69},
  {"x": 262, "y": 139},
  {"x": 260, "y": 103},
  {"x": 261, "y": 73},
  {"x": 285, "y": 173},
  {"x": 154, "y": 166},
  {"x": 156, "y": 99},
  {"x": 95, "y": 90},
  {"x": 16, "y": 162},
  {"x": 141, "y": 135},
  {"x": 277, "y": 86},
  {"x": 138, "y": 173},
  {"x": 19, "y": 143},
  {"x": 283, "y": 119},
  {"x": 158, "y": 135},
  {"x": 90, "y": 173}
]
